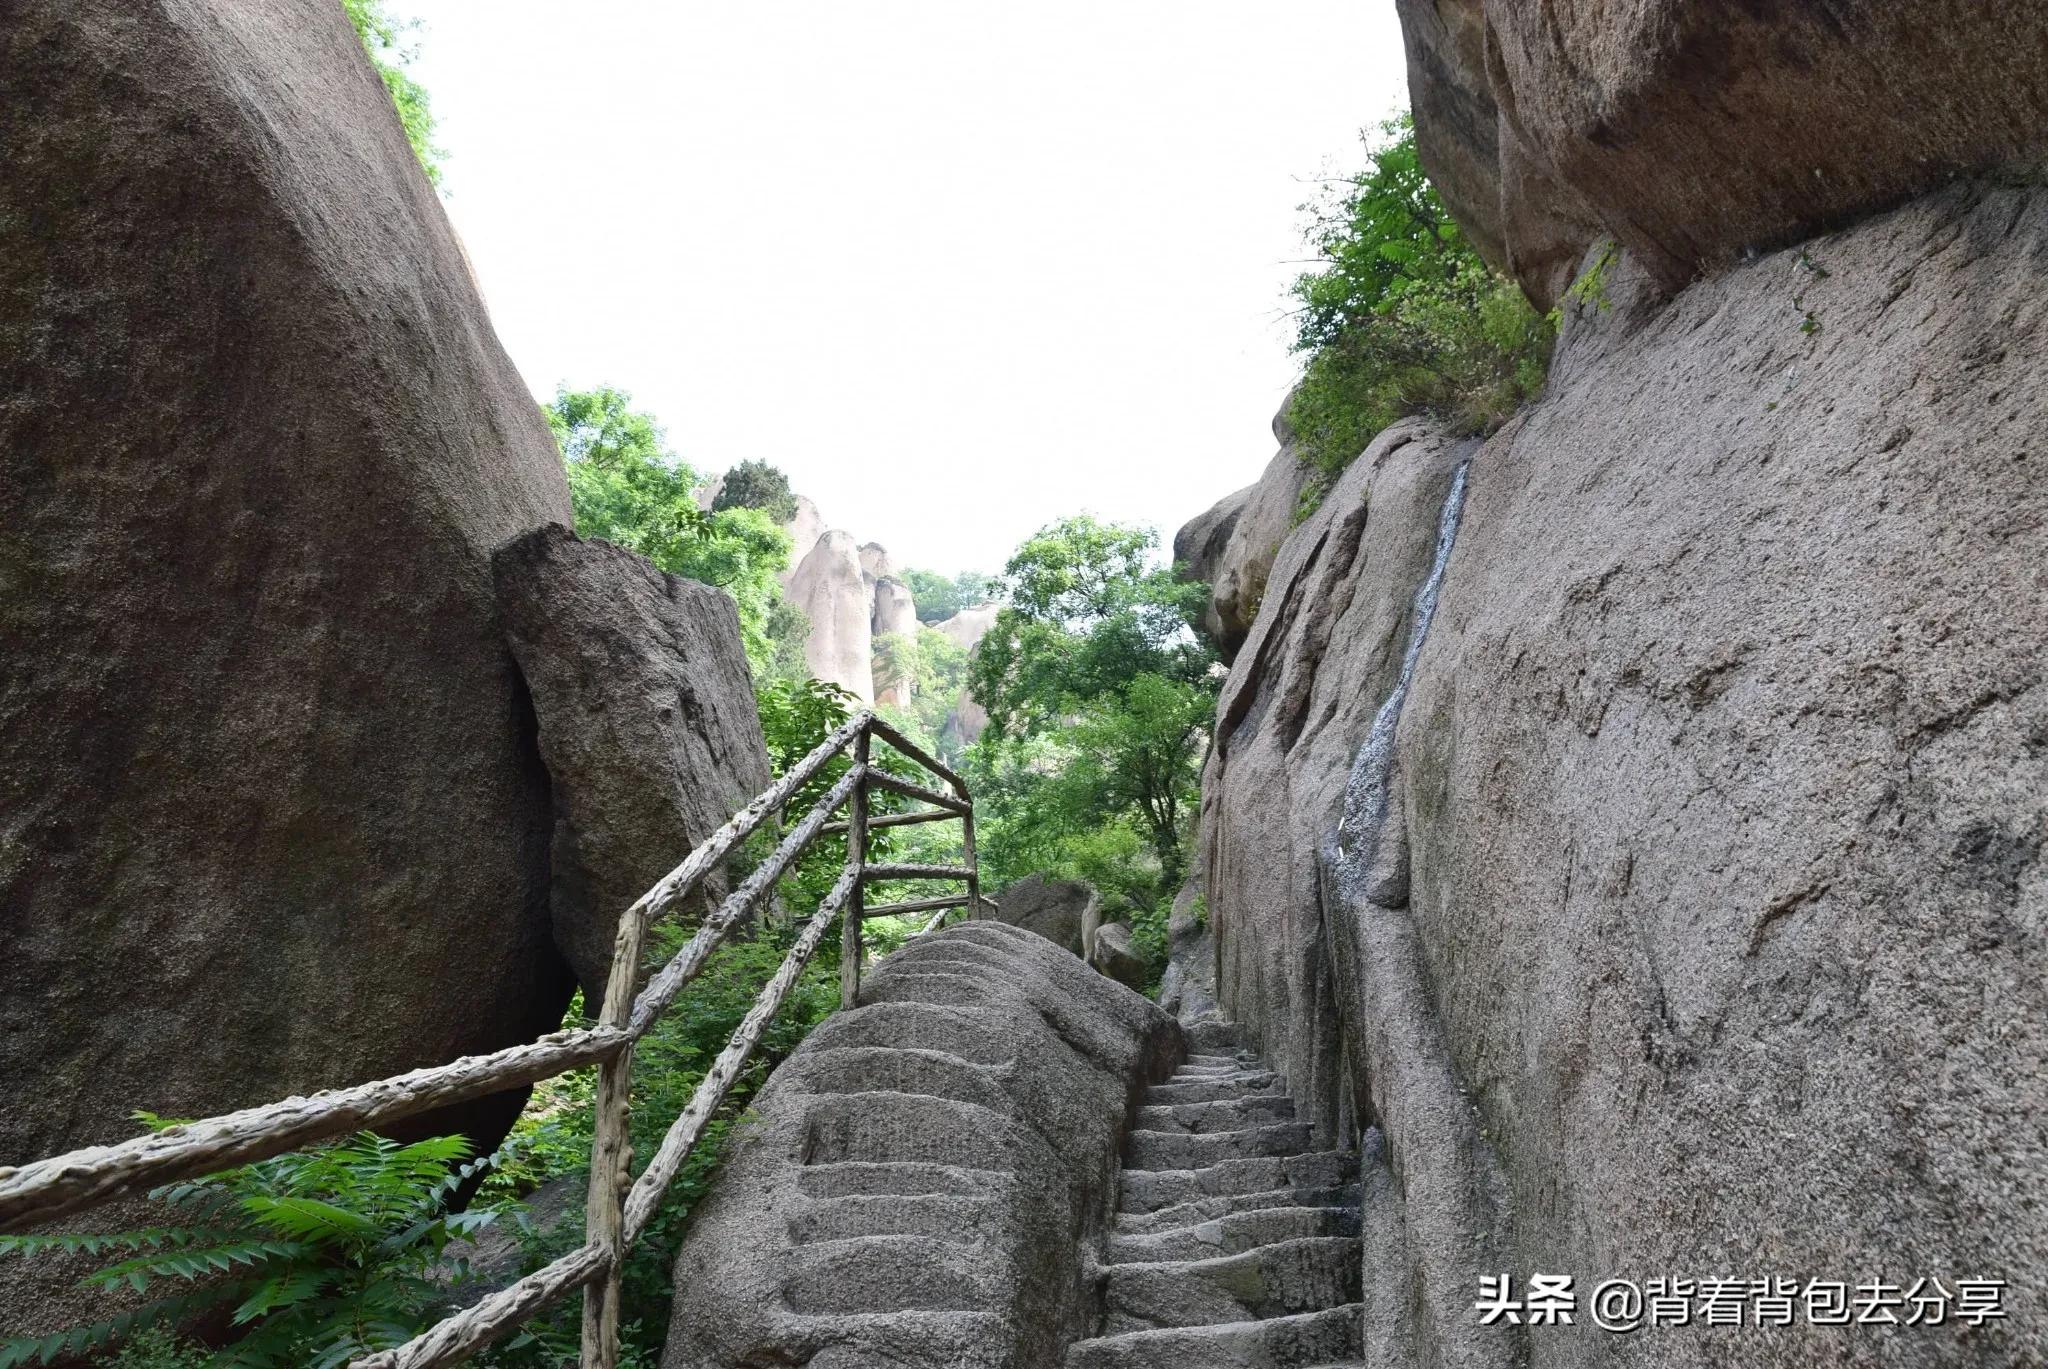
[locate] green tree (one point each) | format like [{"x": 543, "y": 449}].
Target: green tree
[
  {"x": 934, "y": 667},
  {"x": 939, "y": 598},
  {"x": 1403, "y": 317},
  {"x": 1099, "y": 695},
  {"x": 627, "y": 487},
  {"x": 382, "y": 40},
  {"x": 757, "y": 485}
]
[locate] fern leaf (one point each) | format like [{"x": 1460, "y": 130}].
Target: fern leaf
[
  {"x": 311, "y": 1219},
  {"x": 288, "y": 1289}
]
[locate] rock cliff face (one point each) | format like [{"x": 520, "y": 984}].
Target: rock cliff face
[
  {"x": 1671, "y": 906},
  {"x": 965, "y": 630},
  {"x": 895, "y": 615},
  {"x": 271, "y": 816},
  {"x": 1231, "y": 547},
  {"x": 646, "y": 724},
  {"x": 1692, "y": 134},
  {"x": 830, "y": 588},
  {"x": 924, "y": 1174}
]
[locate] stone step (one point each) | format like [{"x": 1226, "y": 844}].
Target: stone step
[
  {"x": 1180, "y": 1150},
  {"x": 1313, "y": 1338},
  {"x": 1214, "y": 1036},
  {"x": 1216, "y": 1114},
  {"x": 1243, "y": 1084},
  {"x": 890, "y": 1274},
  {"x": 1198, "y": 1210},
  {"x": 1148, "y": 1191},
  {"x": 1231, "y": 1234},
  {"x": 938, "y": 1216},
  {"x": 1280, "y": 1280},
  {"x": 1219, "y": 1058},
  {"x": 851, "y": 1178}
]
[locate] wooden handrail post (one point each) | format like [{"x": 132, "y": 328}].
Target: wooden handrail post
[
  {"x": 611, "y": 1153},
  {"x": 967, "y": 859},
  {"x": 857, "y": 857}
]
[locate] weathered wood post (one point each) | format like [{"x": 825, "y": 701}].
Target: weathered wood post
[
  {"x": 611, "y": 1152},
  {"x": 967, "y": 857},
  {"x": 856, "y": 856}
]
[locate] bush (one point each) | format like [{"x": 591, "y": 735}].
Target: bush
[
  {"x": 757, "y": 485},
  {"x": 1404, "y": 318},
  {"x": 323, "y": 1255}
]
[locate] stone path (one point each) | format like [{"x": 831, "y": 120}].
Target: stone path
[{"x": 1235, "y": 1245}]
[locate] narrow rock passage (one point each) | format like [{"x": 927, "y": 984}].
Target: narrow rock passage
[{"x": 1235, "y": 1246}]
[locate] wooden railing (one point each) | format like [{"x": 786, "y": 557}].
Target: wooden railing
[{"x": 618, "y": 1206}]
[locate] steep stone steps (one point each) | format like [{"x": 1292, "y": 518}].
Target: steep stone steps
[
  {"x": 1196, "y": 1211},
  {"x": 1300, "y": 1342},
  {"x": 1235, "y": 1245}
]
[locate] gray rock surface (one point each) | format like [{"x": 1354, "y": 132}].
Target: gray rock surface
[
  {"x": 877, "y": 563},
  {"x": 1110, "y": 952},
  {"x": 1199, "y": 546},
  {"x": 830, "y": 588},
  {"x": 1057, "y": 909},
  {"x": 1236, "y": 563},
  {"x": 1233, "y": 1244},
  {"x": 918, "y": 1182},
  {"x": 1692, "y": 934},
  {"x": 965, "y": 629},
  {"x": 1188, "y": 988},
  {"x": 647, "y": 725},
  {"x": 804, "y": 531},
  {"x": 895, "y": 614},
  {"x": 1692, "y": 134},
  {"x": 271, "y": 814}
]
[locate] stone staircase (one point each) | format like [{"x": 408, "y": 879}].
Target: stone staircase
[{"x": 1235, "y": 1245}]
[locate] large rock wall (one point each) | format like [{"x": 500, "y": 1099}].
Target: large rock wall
[
  {"x": 831, "y": 589},
  {"x": 1688, "y": 921},
  {"x": 1231, "y": 548},
  {"x": 1695, "y": 133},
  {"x": 271, "y": 816},
  {"x": 646, "y": 724},
  {"x": 920, "y": 1181}
]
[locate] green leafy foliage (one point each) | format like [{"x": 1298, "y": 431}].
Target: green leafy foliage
[
  {"x": 317, "y": 1256},
  {"x": 552, "y": 1138},
  {"x": 1403, "y": 317},
  {"x": 1100, "y": 696},
  {"x": 627, "y": 487},
  {"x": 932, "y": 669},
  {"x": 757, "y": 485},
  {"x": 939, "y": 598},
  {"x": 383, "y": 39}
]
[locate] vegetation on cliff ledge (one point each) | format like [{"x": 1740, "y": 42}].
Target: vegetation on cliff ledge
[{"x": 1403, "y": 317}]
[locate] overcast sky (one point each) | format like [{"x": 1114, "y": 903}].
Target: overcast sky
[{"x": 959, "y": 267}]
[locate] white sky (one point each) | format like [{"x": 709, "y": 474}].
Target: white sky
[{"x": 959, "y": 267}]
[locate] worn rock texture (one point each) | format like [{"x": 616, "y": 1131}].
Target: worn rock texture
[
  {"x": 1188, "y": 988},
  {"x": 1060, "y": 910},
  {"x": 895, "y": 615},
  {"x": 804, "y": 531},
  {"x": 271, "y": 816},
  {"x": 831, "y": 589},
  {"x": 877, "y": 563},
  {"x": 1109, "y": 951},
  {"x": 647, "y": 725},
  {"x": 1694, "y": 133},
  {"x": 1232, "y": 546},
  {"x": 920, "y": 1180},
  {"x": 1199, "y": 546},
  {"x": 965, "y": 630},
  {"x": 1699, "y": 931}
]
